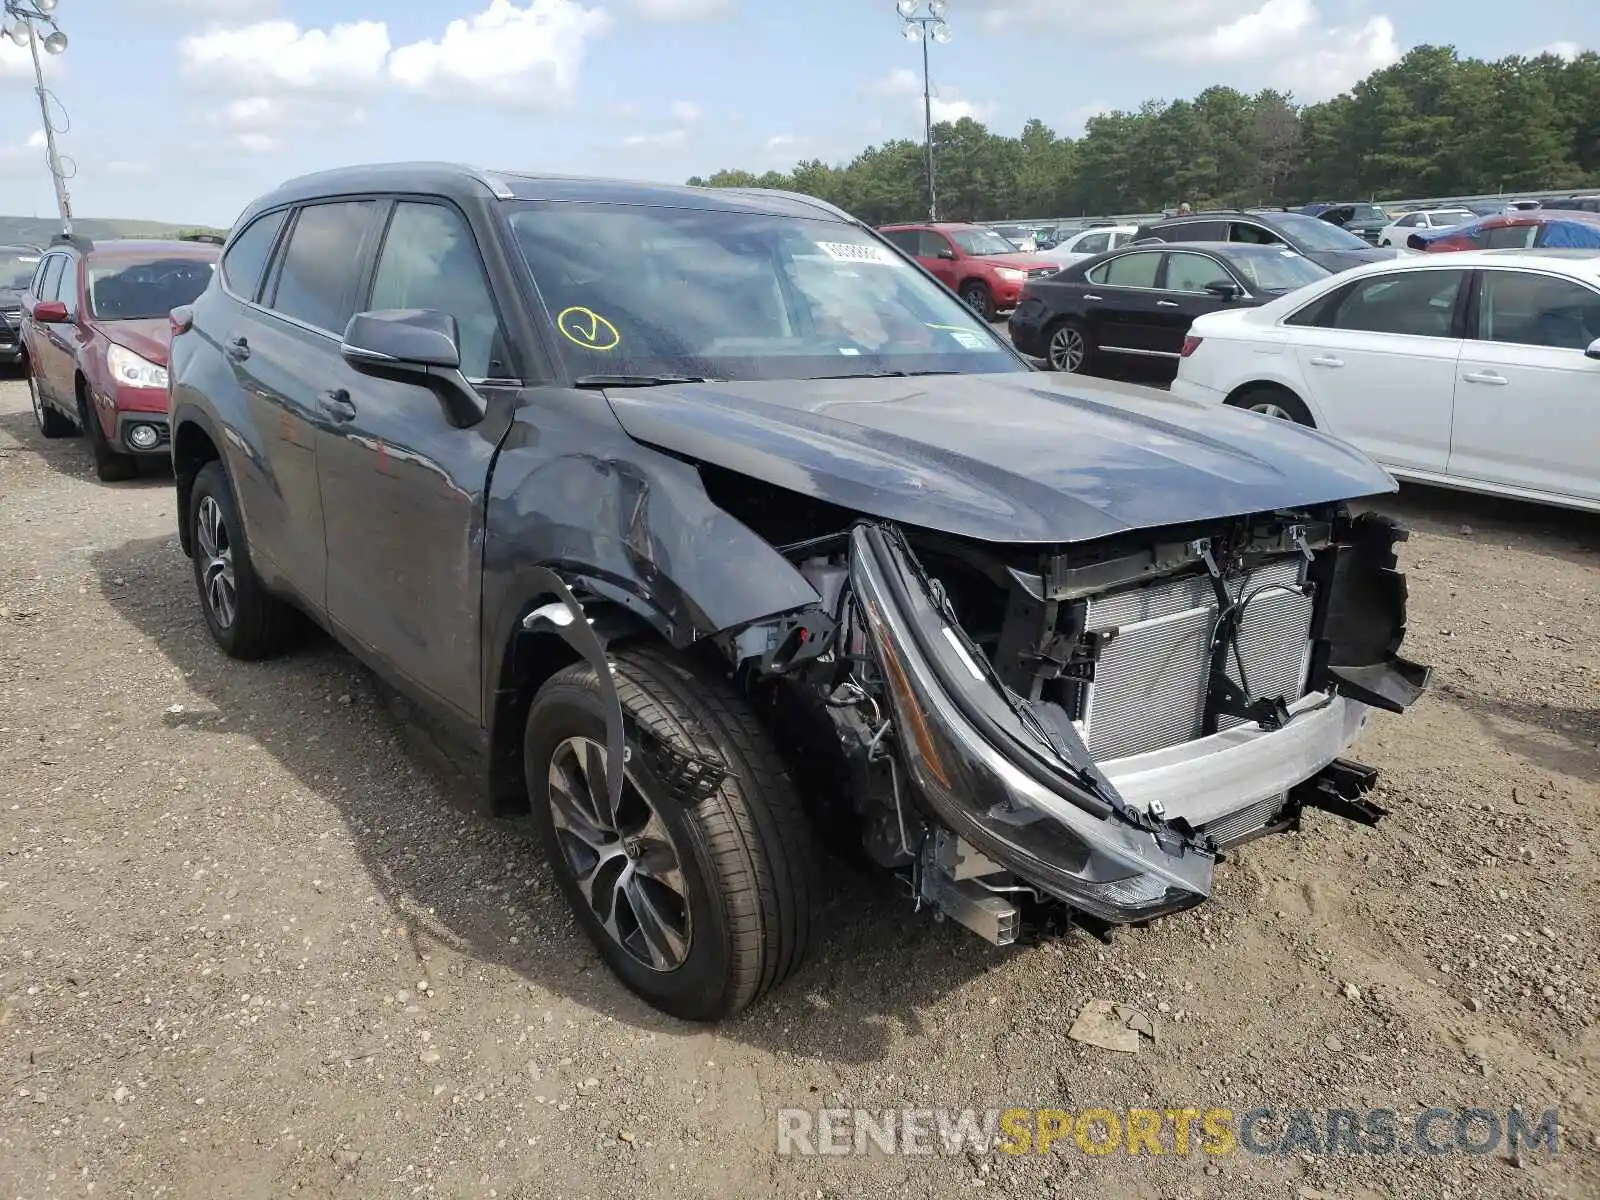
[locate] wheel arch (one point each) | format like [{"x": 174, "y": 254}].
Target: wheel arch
[
  {"x": 193, "y": 446},
  {"x": 1274, "y": 385}
]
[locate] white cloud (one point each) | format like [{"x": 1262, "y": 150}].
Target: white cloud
[
  {"x": 686, "y": 111},
  {"x": 278, "y": 54},
  {"x": 782, "y": 141},
  {"x": 684, "y": 10},
  {"x": 669, "y": 139},
  {"x": 1340, "y": 58},
  {"x": 950, "y": 107},
  {"x": 527, "y": 56},
  {"x": 946, "y": 103},
  {"x": 1566, "y": 50},
  {"x": 902, "y": 81},
  {"x": 259, "y": 124},
  {"x": 15, "y": 61},
  {"x": 1253, "y": 35},
  {"x": 1078, "y": 117},
  {"x": 23, "y": 158}
]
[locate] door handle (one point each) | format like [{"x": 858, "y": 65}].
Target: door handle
[
  {"x": 1326, "y": 360},
  {"x": 337, "y": 405},
  {"x": 1166, "y": 304},
  {"x": 1093, "y": 297},
  {"x": 1489, "y": 377},
  {"x": 238, "y": 349}
]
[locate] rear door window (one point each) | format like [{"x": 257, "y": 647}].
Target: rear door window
[
  {"x": 1136, "y": 270},
  {"x": 1412, "y": 303},
  {"x": 931, "y": 243},
  {"x": 317, "y": 278},
  {"x": 246, "y": 258}
]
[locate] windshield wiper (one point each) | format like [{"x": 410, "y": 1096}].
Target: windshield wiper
[{"x": 632, "y": 381}]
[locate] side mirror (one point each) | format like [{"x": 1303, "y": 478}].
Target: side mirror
[
  {"x": 414, "y": 345},
  {"x": 1594, "y": 349},
  {"x": 947, "y": 253},
  {"x": 50, "y": 312},
  {"x": 1222, "y": 289}
]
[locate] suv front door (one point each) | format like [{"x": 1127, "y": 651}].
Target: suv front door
[
  {"x": 939, "y": 255},
  {"x": 402, "y": 487}
]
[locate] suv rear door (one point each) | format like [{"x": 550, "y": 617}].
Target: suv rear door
[
  {"x": 285, "y": 355},
  {"x": 402, "y": 488}
]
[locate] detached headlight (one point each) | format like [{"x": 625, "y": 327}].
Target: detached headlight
[
  {"x": 1011, "y": 274},
  {"x": 129, "y": 370}
]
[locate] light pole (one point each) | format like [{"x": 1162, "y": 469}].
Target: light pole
[
  {"x": 930, "y": 28},
  {"x": 21, "y": 16}
]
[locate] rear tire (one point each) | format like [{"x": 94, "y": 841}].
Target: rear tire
[
  {"x": 1274, "y": 402},
  {"x": 722, "y": 913},
  {"x": 1070, "y": 347},
  {"x": 109, "y": 465},
  {"x": 52, "y": 424},
  {"x": 245, "y": 619},
  {"x": 979, "y": 298}
]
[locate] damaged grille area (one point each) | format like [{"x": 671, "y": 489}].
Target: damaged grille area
[{"x": 1149, "y": 686}]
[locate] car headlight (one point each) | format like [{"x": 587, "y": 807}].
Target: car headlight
[
  {"x": 130, "y": 370},
  {"x": 1011, "y": 274}
]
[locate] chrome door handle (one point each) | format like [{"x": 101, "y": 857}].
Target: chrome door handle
[
  {"x": 1093, "y": 297},
  {"x": 1489, "y": 377},
  {"x": 1166, "y": 304},
  {"x": 337, "y": 405},
  {"x": 1326, "y": 360}
]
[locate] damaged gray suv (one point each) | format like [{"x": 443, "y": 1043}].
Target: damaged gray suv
[{"x": 721, "y": 530}]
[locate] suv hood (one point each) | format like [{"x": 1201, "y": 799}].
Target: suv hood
[
  {"x": 1022, "y": 260},
  {"x": 1016, "y": 457}
]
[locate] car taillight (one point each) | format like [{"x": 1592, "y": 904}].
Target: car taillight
[
  {"x": 181, "y": 320},
  {"x": 1190, "y": 345}
]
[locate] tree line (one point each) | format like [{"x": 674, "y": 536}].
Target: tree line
[{"x": 1433, "y": 124}]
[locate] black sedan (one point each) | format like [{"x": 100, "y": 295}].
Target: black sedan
[{"x": 1137, "y": 303}]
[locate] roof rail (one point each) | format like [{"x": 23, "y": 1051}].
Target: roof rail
[
  {"x": 211, "y": 239},
  {"x": 831, "y": 209}
]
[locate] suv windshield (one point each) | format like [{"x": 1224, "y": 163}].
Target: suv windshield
[
  {"x": 652, "y": 292},
  {"x": 1313, "y": 233},
  {"x": 983, "y": 241},
  {"x": 133, "y": 291},
  {"x": 16, "y": 269},
  {"x": 1368, "y": 212},
  {"x": 1274, "y": 268}
]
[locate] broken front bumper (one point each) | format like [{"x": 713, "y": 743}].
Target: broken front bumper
[
  {"x": 1123, "y": 840},
  {"x": 990, "y": 778}
]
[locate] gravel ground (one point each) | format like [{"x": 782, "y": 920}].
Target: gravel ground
[{"x": 251, "y": 943}]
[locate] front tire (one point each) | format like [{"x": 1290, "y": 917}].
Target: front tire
[
  {"x": 698, "y": 902},
  {"x": 1274, "y": 402},
  {"x": 109, "y": 465},
  {"x": 245, "y": 619},
  {"x": 979, "y": 298},
  {"x": 51, "y": 423}
]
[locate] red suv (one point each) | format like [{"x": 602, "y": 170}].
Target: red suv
[
  {"x": 974, "y": 262},
  {"x": 95, "y": 333}
]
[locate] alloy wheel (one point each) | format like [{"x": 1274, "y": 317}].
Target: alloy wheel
[
  {"x": 1066, "y": 349},
  {"x": 624, "y": 861},
  {"x": 1268, "y": 409},
  {"x": 217, "y": 582}
]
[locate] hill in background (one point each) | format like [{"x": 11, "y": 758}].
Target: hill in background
[{"x": 37, "y": 231}]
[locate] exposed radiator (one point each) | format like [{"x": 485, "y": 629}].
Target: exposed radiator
[{"x": 1149, "y": 688}]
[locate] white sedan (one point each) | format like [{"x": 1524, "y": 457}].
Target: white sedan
[
  {"x": 1396, "y": 232},
  {"x": 1089, "y": 242},
  {"x": 1478, "y": 370}
]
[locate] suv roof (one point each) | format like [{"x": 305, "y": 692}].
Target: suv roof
[
  {"x": 935, "y": 225},
  {"x": 467, "y": 182}
]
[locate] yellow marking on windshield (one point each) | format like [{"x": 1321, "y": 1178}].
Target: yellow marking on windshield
[{"x": 587, "y": 328}]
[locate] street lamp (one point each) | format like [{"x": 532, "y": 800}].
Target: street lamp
[
  {"x": 23, "y": 18},
  {"x": 930, "y": 28}
]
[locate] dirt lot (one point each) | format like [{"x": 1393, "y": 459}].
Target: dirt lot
[{"x": 250, "y": 945}]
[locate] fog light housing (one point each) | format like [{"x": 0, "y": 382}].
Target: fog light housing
[{"x": 144, "y": 437}]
